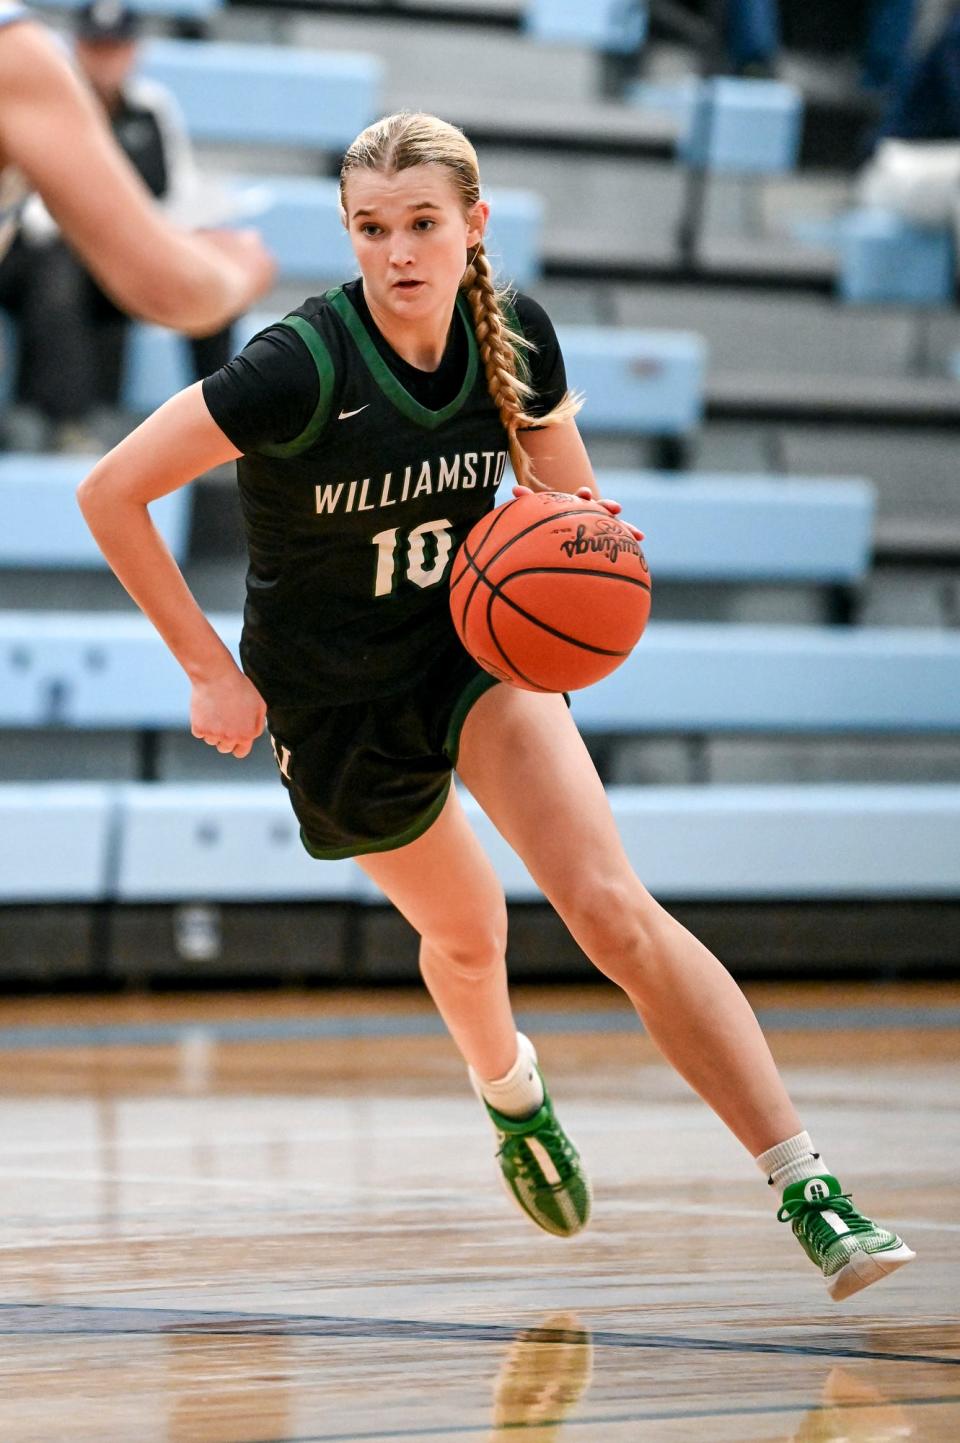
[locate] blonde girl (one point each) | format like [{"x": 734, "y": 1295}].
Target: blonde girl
[{"x": 370, "y": 429}]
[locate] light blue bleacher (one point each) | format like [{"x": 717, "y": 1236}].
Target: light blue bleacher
[
  {"x": 726, "y": 125},
  {"x": 714, "y": 527},
  {"x": 165, "y": 9},
  {"x": 231, "y": 842},
  {"x": 304, "y": 231},
  {"x": 92, "y": 669},
  {"x": 107, "y": 669},
  {"x": 884, "y": 258},
  {"x": 56, "y": 841},
  {"x": 614, "y": 26},
  {"x": 238, "y": 842},
  {"x": 636, "y": 382},
  {"x": 750, "y": 843},
  {"x": 42, "y": 523},
  {"x": 744, "y": 126},
  {"x": 691, "y": 677},
  {"x": 156, "y": 367},
  {"x": 227, "y": 842},
  {"x": 698, "y": 527},
  {"x": 268, "y": 94}
]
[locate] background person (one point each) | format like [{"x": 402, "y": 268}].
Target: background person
[
  {"x": 879, "y": 30},
  {"x": 914, "y": 169},
  {"x": 71, "y": 336},
  {"x": 53, "y": 139}
]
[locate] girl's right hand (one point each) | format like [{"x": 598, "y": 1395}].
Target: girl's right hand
[{"x": 227, "y": 712}]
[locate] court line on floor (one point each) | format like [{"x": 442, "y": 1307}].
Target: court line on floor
[
  {"x": 49, "y": 1319},
  {"x": 381, "y": 1027}
]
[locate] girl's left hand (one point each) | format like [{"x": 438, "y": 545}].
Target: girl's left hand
[
  {"x": 586, "y": 494},
  {"x": 613, "y": 507}
]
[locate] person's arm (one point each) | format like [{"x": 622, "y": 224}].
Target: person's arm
[
  {"x": 562, "y": 464},
  {"x": 560, "y": 458},
  {"x": 172, "y": 447},
  {"x": 51, "y": 129}
]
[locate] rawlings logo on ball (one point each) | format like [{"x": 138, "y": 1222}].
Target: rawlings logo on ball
[
  {"x": 549, "y": 592},
  {"x": 608, "y": 537}
]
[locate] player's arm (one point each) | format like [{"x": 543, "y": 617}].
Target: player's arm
[
  {"x": 171, "y": 448},
  {"x": 561, "y": 463},
  {"x": 51, "y": 128},
  {"x": 560, "y": 458}
]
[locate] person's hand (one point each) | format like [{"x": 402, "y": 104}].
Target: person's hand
[
  {"x": 613, "y": 507},
  {"x": 585, "y": 494},
  {"x": 227, "y": 712},
  {"x": 247, "y": 252}
]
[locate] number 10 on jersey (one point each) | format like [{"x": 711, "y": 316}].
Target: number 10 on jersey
[{"x": 397, "y": 552}]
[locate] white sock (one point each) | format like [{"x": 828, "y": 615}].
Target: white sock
[
  {"x": 791, "y": 1161},
  {"x": 519, "y": 1093}
]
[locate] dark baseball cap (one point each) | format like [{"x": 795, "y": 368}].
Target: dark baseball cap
[{"x": 107, "y": 20}]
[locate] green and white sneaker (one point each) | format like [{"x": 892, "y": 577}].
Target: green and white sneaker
[
  {"x": 851, "y": 1251},
  {"x": 541, "y": 1168}
]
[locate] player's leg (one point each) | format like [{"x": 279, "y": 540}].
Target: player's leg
[
  {"x": 526, "y": 764},
  {"x": 445, "y": 886}
]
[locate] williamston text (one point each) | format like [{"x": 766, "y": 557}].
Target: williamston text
[{"x": 464, "y": 471}]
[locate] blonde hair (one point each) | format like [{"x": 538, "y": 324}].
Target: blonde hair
[{"x": 406, "y": 139}]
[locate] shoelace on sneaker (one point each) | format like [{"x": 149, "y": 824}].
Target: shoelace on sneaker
[
  {"x": 561, "y": 1150},
  {"x": 806, "y": 1213}
]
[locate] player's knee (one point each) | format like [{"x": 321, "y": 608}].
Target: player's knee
[
  {"x": 615, "y": 922},
  {"x": 471, "y": 954}
]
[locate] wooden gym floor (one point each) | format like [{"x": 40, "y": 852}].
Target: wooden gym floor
[{"x": 253, "y": 1218}]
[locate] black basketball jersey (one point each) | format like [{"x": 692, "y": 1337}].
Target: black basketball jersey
[{"x": 352, "y": 524}]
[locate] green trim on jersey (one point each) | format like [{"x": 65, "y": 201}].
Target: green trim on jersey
[
  {"x": 321, "y": 359},
  {"x": 385, "y": 378},
  {"x": 471, "y": 693}
]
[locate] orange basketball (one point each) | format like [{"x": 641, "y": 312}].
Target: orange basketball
[{"x": 550, "y": 592}]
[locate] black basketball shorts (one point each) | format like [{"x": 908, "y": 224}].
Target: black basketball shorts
[{"x": 373, "y": 776}]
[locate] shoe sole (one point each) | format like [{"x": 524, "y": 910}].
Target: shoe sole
[{"x": 866, "y": 1268}]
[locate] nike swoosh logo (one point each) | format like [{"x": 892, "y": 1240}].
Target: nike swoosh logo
[{"x": 345, "y": 415}]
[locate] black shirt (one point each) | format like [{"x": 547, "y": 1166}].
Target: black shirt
[
  {"x": 268, "y": 393},
  {"x": 360, "y": 477}
]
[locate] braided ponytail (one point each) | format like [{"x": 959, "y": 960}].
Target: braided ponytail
[
  {"x": 501, "y": 350},
  {"x": 401, "y": 141}
]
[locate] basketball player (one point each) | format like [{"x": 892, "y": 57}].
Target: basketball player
[
  {"x": 370, "y": 429},
  {"x": 54, "y": 140}
]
